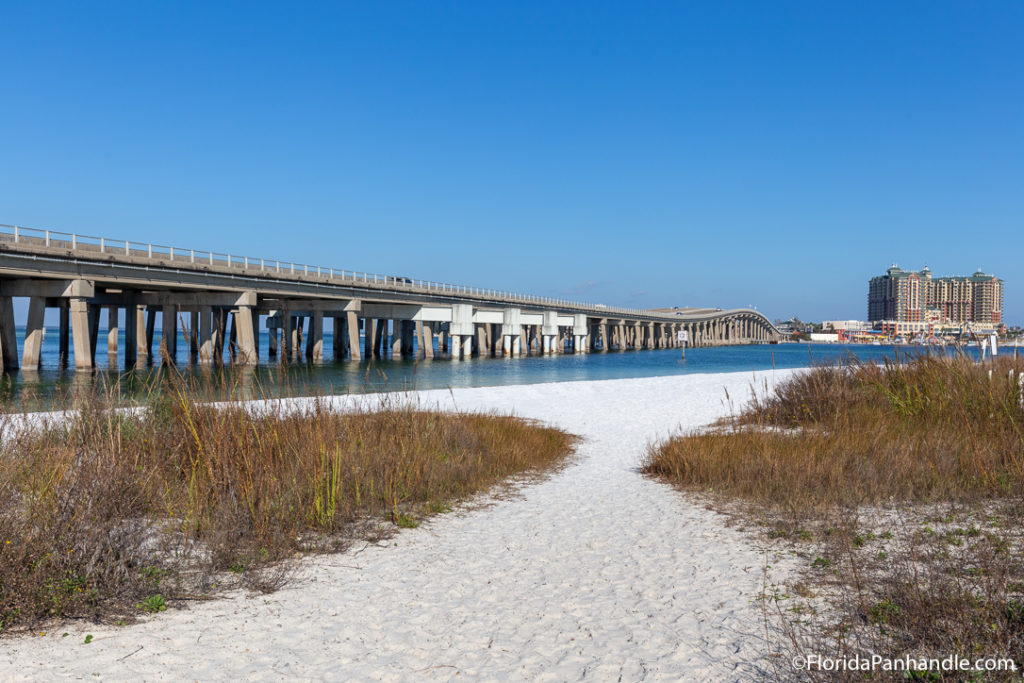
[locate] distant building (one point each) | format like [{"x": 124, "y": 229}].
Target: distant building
[
  {"x": 908, "y": 301},
  {"x": 845, "y": 325}
]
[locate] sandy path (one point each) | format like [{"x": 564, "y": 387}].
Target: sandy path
[{"x": 596, "y": 573}]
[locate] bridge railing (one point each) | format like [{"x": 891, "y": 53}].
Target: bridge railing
[{"x": 112, "y": 249}]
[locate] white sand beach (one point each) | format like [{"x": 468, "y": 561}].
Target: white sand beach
[{"x": 595, "y": 573}]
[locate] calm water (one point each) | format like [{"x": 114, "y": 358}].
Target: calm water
[{"x": 37, "y": 389}]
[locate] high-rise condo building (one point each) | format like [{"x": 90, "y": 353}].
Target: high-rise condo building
[{"x": 903, "y": 296}]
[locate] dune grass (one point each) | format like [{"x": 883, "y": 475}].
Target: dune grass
[
  {"x": 930, "y": 429},
  {"x": 113, "y": 511},
  {"x": 901, "y": 489}
]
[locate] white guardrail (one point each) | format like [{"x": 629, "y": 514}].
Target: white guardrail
[{"x": 90, "y": 246}]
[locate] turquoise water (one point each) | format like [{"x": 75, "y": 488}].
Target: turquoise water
[{"x": 37, "y": 388}]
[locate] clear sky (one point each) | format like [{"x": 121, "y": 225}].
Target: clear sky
[{"x": 774, "y": 154}]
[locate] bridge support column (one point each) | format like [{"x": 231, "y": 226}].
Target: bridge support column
[
  {"x": 485, "y": 339},
  {"x": 79, "y": 312},
  {"x": 298, "y": 336},
  {"x": 315, "y": 340},
  {"x": 143, "y": 338},
  {"x": 232, "y": 337},
  {"x": 273, "y": 320},
  {"x": 113, "y": 323},
  {"x": 428, "y": 340},
  {"x": 131, "y": 333},
  {"x": 511, "y": 328},
  {"x": 380, "y": 336},
  {"x": 369, "y": 333},
  {"x": 421, "y": 342},
  {"x": 150, "y": 331},
  {"x": 169, "y": 334},
  {"x": 396, "y": 339},
  {"x": 33, "y": 333},
  {"x": 338, "y": 340},
  {"x": 245, "y": 328},
  {"x": 8, "y": 336},
  {"x": 549, "y": 331},
  {"x": 193, "y": 334},
  {"x": 94, "y": 330},
  {"x": 444, "y": 339},
  {"x": 286, "y": 336},
  {"x": 63, "y": 332},
  {"x": 408, "y": 333},
  {"x": 579, "y": 333},
  {"x": 461, "y": 330},
  {"x": 220, "y": 334},
  {"x": 352, "y": 323}
]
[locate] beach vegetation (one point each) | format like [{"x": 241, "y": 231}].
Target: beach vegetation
[
  {"x": 109, "y": 509},
  {"x": 911, "y": 474}
]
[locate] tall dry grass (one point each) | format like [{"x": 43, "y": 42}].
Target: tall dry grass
[
  {"x": 930, "y": 428},
  {"x": 901, "y": 488},
  {"x": 111, "y": 510}
]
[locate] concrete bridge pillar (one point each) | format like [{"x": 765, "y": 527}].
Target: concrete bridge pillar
[
  {"x": 287, "y": 336},
  {"x": 79, "y": 313},
  {"x": 169, "y": 334},
  {"x": 113, "y": 325},
  {"x": 407, "y": 332},
  {"x": 8, "y": 335},
  {"x": 298, "y": 337},
  {"x": 421, "y": 340},
  {"x": 480, "y": 345},
  {"x": 315, "y": 340},
  {"x": 131, "y": 321},
  {"x": 579, "y": 332},
  {"x": 143, "y": 340},
  {"x": 549, "y": 331},
  {"x": 81, "y": 334},
  {"x": 339, "y": 342},
  {"x": 511, "y": 328},
  {"x": 220, "y": 333},
  {"x": 380, "y": 337},
  {"x": 245, "y": 328},
  {"x": 63, "y": 333},
  {"x": 395, "y": 344},
  {"x": 352, "y": 328},
  {"x": 205, "y": 333},
  {"x": 273, "y": 320},
  {"x": 33, "y": 333},
  {"x": 461, "y": 330},
  {"x": 428, "y": 340},
  {"x": 369, "y": 334},
  {"x": 192, "y": 334}
]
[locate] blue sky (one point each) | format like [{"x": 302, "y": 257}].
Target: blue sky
[{"x": 717, "y": 154}]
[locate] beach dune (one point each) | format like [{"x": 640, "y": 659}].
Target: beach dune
[{"x": 595, "y": 572}]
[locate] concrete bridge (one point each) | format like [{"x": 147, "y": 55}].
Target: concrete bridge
[{"x": 219, "y": 301}]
